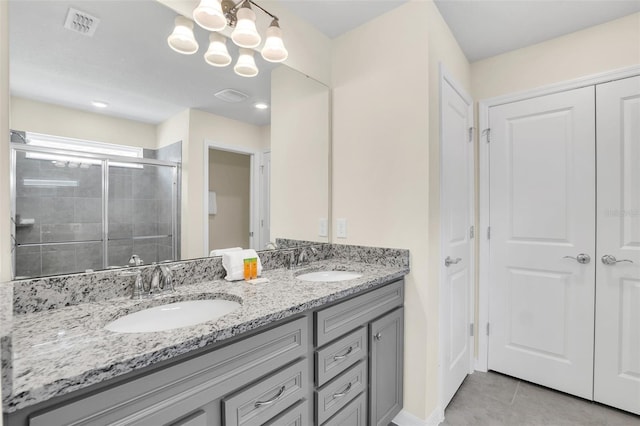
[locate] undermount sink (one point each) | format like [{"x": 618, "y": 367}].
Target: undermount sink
[
  {"x": 172, "y": 316},
  {"x": 329, "y": 276}
]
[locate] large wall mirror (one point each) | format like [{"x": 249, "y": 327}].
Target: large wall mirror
[{"x": 122, "y": 147}]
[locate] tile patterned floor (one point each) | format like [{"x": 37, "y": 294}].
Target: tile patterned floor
[{"x": 493, "y": 399}]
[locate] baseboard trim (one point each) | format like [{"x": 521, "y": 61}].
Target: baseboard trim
[{"x": 405, "y": 418}]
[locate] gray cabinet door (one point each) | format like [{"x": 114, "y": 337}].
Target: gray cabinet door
[{"x": 386, "y": 343}]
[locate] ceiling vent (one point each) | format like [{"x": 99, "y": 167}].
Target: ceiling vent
[
  {"x": 81, "y": 22},
  {"x": 231, "y": 95}
]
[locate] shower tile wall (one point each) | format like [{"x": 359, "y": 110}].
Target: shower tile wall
[
  {"x": 54, "y": 205},
  {"x": 139, "y": 206},
  {"x": 140, "y": 212}
]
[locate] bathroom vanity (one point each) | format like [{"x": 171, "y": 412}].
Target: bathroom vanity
[{"x": 295, "y": 353}]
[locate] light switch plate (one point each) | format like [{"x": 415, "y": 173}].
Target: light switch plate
[
  {"x": 323, "y": 228},
  {"x": 341, "y": 228}
]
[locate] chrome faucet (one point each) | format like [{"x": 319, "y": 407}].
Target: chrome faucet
[
  {"x": 161, "y": 280},
  {"x": 154, "y": 283},
  {"x": 167, "y": 282},
  {"x": 135, "y": 260},
  {"x": 138, "y": 291}
]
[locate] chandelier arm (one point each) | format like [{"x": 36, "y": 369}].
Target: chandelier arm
[{"x": 262, "y": 9}]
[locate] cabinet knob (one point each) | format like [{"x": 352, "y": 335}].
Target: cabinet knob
[{"x": 378, "y": 336}]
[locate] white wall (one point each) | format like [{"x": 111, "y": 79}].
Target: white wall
[
  {"x": 5, "y": 220},
  {"x": 50, "y": 119},
  {"x": 609, "y": 46},
  {"x": 5, "y": 216},
  {"x": 385, "y": 162},
  {"x": 206, "y": 126},
  {"x": 299, "y": 156}
]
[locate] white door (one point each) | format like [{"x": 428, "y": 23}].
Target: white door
[
  {"x": 542, "y": 210},
  {"x": 617, "y": 349},
  {"x": 457, "y": 195}
]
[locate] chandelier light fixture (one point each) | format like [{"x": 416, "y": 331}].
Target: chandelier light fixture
[{"x": 215, "y": 16}]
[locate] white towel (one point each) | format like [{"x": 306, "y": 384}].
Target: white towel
[
  {"x": 213, "y": 204},
  {"x": 233, "y": 263},
  {"x": 220, "y": 252}
]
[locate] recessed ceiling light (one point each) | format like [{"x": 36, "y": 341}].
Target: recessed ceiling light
[
  {"x": 99, "y": 104},
  {"x": 261, "y": 105}
]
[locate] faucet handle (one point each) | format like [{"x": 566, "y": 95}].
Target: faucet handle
[
  {"x": 135, "y": 260},
  {"x": 155, "y": 285},
  {"x": 167, "y": 280},
  {"x": 138, "y": 284}
]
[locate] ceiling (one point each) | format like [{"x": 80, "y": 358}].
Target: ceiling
[
  {"x": 335, "y": 17},
  {"x": 127, "y": 63},
  {"x": 486, "y": 28}
]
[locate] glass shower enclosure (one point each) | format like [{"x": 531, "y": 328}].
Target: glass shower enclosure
[{"x": 75, "y": 211}]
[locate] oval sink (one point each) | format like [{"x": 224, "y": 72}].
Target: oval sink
[
  {"x": 329, "y": 276},
  {"x": 172, "y": 316}
]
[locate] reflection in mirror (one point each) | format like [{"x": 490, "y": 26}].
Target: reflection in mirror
[{"x": 124, "y": 86}]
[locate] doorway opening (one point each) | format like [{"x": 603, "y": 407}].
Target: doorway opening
[{"x": 232, "y": 197}]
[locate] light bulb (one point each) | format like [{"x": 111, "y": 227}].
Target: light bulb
[
  {"x": 274, "y": 50},
  {"x": 246, "y": 65},
  {"x": 217, "y": 53},
  {"x": 209, "y": 15},
  {"x": 181, "y": 39},
  {"x": 245, "y": 34}
]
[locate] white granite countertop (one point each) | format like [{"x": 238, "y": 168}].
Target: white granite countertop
[{"x": 62, "y": 350}]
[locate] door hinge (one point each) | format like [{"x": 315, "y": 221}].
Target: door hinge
[
  {"x": 488, "y": 232},
  {"x": 251, "y": 234},
  {"x": 471, "y": 329},
  {"x": 488, "y": 133},
  {"x": 472, "y": 232},
  {"x": 471, "y": 133},
  {"x": 488, "y": 329}
]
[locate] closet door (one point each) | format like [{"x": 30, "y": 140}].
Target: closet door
[
  {"x": 542, "y": 201},
  {"x": 617, "y": 348}
]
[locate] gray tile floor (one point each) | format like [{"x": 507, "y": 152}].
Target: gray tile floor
[{"x": 492, "y": 399}]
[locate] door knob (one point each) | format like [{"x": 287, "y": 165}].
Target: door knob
[
  {"x": 449, "y": 261},
  {"x": 608, "y": 259},
  {"x": 581, "y": 258}
]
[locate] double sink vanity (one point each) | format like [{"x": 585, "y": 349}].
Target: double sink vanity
[{"x": 320, "y": 344}]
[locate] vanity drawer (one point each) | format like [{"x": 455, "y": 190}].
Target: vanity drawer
[
  {"x": 340, "y": 319},
  {"x": 267, "y": 398},
  {"x": 354, "y": 414},
  {"x": 294, "y": 416},
  {"x": 338, "y": 393},
  {"x": 340, "y": 355}
]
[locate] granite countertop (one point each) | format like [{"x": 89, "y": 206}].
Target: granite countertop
[{"x": 62, "y": 350}]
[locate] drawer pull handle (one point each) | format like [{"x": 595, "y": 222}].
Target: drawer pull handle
[
  {"x": 272, "y": 400},
  {"x": 343, "y": 393},
  {"x": 339, "y": 357}
]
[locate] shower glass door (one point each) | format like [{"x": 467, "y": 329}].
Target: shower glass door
[
  {"x": 58, "y": 214},
  {"x": 75, "y": 212},
  {"x": 141, "y": 211}
]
